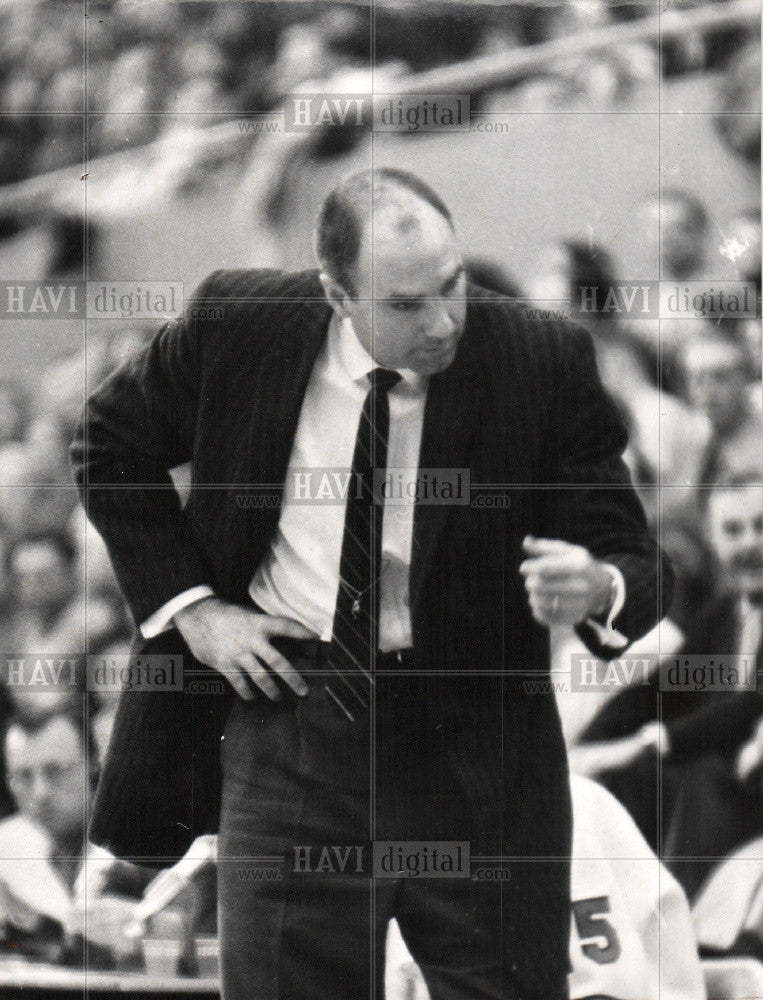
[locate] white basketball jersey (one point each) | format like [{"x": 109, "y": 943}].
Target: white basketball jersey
[{"x": 631, "y": 934}]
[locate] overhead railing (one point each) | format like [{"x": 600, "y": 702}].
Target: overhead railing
[{"x": 62, "y": 189}]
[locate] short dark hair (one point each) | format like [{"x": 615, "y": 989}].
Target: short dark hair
[
  {"x": 77, "y": 717},
  {"x": 339, "y": 229}
]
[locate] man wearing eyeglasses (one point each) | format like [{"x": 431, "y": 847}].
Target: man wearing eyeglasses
[{"x": 45, "y": 860}]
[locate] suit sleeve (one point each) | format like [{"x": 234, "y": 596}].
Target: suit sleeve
[
  {"x": 137, "y": 426},
  {"x": 597, "y": 506}
]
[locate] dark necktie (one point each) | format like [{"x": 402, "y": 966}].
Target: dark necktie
[{"x": 355, "y": 637}]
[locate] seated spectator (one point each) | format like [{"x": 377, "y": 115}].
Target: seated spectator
[
  {"x": 13, "y": 413},
  {"x": 693, "y": 766},
  {"x": 742, "y": 246},
  {"x": 13, "y": 425},
  {"x": 665, "y": 434},
  {"x": 717, "y": 372},
  {"x": 35, "y": 493},
  {"x": 677, "y": 224},
  {"x": 682, "y": 222},
  {"x": 64, "y": 605},
  {"x": 42, "y": 568},
  {"x": 717, "y": 803},
  {"x": 45, "y": 861},
  {"x": 631, "y": 935},
  {"x": 738, "y": 100}
]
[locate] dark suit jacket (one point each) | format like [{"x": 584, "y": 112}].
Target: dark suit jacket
[
  {"x": 521, "y": 405},
  {"x": 698, "y": 722}
]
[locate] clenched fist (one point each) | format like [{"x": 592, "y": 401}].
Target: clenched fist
[{"x": 564, "y": 582}]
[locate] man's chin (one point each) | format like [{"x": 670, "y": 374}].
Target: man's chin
[{"x": 432, "y": 362}]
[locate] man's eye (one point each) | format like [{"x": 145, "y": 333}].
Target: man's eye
[
  {"x": 732, "y": 529},
  {"x": 405, "y": 305}
]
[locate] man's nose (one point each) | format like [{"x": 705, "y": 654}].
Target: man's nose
[
  {"x": 442, "y": 325},
  {"x": 39, "y": 789}
]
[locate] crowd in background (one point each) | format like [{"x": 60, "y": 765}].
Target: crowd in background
[
  {"x": 689, "y": 392},
  {"x": 140, "y": 68}
]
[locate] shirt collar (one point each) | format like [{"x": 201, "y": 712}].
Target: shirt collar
[{"x": 347, "y": 354}]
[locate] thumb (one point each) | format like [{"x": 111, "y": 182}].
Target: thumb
[{"x": 544, "y": 546}]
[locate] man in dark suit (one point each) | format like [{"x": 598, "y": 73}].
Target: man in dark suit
[
  {"x": 684, "y": 754},
  {"x": 377, "y": 664}
]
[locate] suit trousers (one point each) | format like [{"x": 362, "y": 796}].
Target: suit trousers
[{"x": 305, "y": 794}]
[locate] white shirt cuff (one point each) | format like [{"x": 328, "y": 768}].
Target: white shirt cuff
[
  {"x": 607, "y": 634},
  {"x": 161, "y": 620}
]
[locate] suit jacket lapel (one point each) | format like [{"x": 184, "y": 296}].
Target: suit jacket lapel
[
  {"x": 445, "y": 444},
  {"x": 278, "y": 384},
  {"x": 279, "y": 378},
  {"x": 276, "y": 389}
]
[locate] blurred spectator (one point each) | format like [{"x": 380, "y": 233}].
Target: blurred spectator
[
  {"x": 317, "y": 49},
  {"x": 676, "y": 222},
  {"x": 717, "y": 371},
  {"x": 14, "y": 409},
  {"x": 64, "y": 607},
  {"x": 666, "y": 436},
  {"x": 699, "y": 765},
  {"x": 42, "y": 567},
  {"x": 717, "y": 794},
  {"x": 739, "y": 98},
  {"x": 742, "y": 246},
  {"x": 45, "y": 860},
  {"x": 134, "y": 94},
  {"x": 681, "y": 222},
  {"x": 203, "y": 61},
  {"x": 42, "y": 574}
]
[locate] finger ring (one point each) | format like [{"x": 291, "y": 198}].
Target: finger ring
[{"x": 555, "y": 604}]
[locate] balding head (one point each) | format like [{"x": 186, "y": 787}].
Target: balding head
[
  {"x": 393, "y": 268},
  {"x": 364, "y": 201}
]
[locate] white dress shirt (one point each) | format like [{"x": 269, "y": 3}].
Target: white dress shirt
[{"x": 299, "y": 576}]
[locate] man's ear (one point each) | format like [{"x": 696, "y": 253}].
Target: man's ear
[{"x": 336, "y": 295}]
